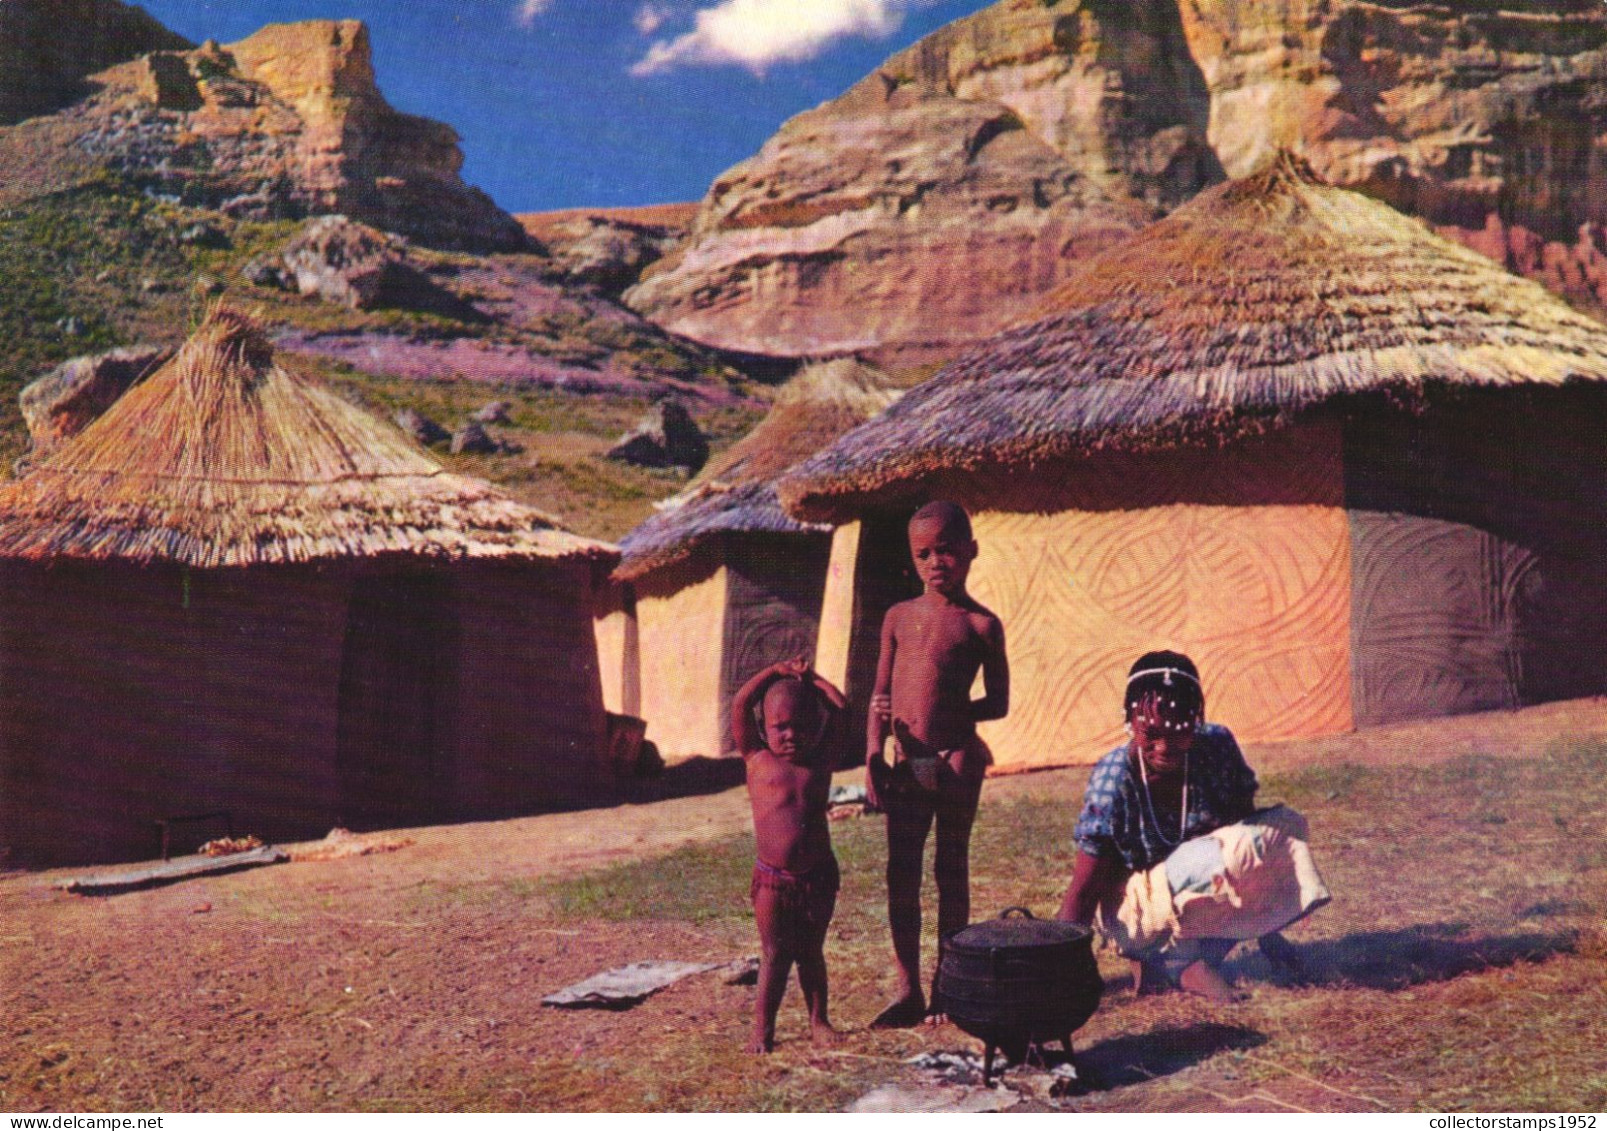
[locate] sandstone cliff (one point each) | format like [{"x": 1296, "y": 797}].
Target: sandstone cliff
[
  {"x": 287, "y": 122},
  {"x": 1488, "y": 120},
  {"x": 924, "y": 207},
  {"x": 934, "y": 201}
]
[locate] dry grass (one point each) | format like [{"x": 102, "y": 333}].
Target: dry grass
[{"x": 1459, "y": 967}]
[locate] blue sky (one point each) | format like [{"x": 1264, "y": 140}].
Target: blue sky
[{"x": 571, "y": 103}]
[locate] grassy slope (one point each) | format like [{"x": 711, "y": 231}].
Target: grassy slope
[{"x": 81, "y": 256}]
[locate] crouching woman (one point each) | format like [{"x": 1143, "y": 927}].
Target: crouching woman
[{"x": 1174, "y": 862}]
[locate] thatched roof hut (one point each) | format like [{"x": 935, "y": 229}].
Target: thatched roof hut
[
  {"x": 226, "y": 458},
  {"x": 1287, "y": 428},
  {"x": 722, "y": 580},
  {"x": 1263, "y": 298},
  {"x": 237, "y": 593}
]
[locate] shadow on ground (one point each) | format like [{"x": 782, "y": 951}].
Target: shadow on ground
[
  {"x": 1409, "y": 956},
  {"x": 686, "y": 779},
  {"x": 1139, "y": 1057}
]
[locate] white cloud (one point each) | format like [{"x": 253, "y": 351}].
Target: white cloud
[
  {"x": 530, "y": 9},
  {"x": 650, "y": 17},
  {"x": 759, "y": 33}
]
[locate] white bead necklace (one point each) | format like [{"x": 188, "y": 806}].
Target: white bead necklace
[{"x": 1149, "y": 801}]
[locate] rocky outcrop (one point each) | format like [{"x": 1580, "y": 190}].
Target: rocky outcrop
[
  {"x": 667, "y": 437},
  {"x": 423, "y": 430},
  {"x": 268, "y": 272},
  {"x": 473, "y": 439},
  {"x": 941, "y": 197},
  {"x": 341, "y": 261},
  {"x": 286, "y": 123},
  {"x": 48, "y": 48},
  {"x": 71, "y": 396},
  {"x": 609, "y": 248}
]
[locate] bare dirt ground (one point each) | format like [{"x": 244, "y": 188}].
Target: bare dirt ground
[{"x": 410, "y": 979}]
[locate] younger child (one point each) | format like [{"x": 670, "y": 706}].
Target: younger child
[
  {"x": 782, "y": 721},
  {"x": 932, "y": 648}
]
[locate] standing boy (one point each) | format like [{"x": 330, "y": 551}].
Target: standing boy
[
  {"x": 932, "y": 648},
  {"x": 782, "y": 721}
]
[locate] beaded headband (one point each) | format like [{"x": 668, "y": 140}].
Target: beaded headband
[
  {"x": 1167, "y": 672},
  {"x": 1167, "y": 724}
]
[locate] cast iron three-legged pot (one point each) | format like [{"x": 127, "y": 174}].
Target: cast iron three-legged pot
[{"x": 1016, "y": 982}]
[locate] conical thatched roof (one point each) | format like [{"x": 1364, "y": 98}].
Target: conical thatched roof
[
  {"x": 225, "y": 458},
  {"x": 736, "y": 491},
  {"x": 1254, "y": 301}
]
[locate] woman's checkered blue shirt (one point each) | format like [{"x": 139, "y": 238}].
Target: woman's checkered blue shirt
[{"x": 1116, "y": 822}]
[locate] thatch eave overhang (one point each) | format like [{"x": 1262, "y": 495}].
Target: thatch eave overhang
[
  {"x": 832, "y": 488},
  {"x": 675, "y": 535}
]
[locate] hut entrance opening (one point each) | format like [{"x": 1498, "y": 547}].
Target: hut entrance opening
[
  {"x": 775, "y": 587},
  {"x": 394, "y": 741},
  {"x": 883, "y": 576}
]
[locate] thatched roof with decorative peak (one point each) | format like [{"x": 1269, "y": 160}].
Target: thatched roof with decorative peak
[
  {"x": 224, "y": 457},
  {"x": 736, "y": 491},
  {"x": 1257, "y": 300}
]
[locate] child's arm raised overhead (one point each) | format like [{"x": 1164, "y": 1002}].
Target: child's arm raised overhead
[
  {"x": 744, "y": 726},
  {"x": 836, "y": 701},
  {"x": 834, "y": 707},
  {"x": 995, "y": 701}
]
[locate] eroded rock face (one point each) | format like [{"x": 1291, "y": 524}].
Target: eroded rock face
[
  {"x": 71, "y": 396},
  {"x": 1488, "y": 120},
  {"x": 473, "y": 439},
  {"x": 288, "y": 122},
  {"x": 48, "y": 47},
  {"x": 940, "y": 198}
]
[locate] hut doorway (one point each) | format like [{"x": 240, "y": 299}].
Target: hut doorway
[
  {"x": 775, "y": 587},
  {"x": 393, "y": 744},
  {"x": 883, "y": 576}
]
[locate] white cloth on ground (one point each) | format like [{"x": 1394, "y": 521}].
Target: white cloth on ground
[{"x": 1257, "y": 877}]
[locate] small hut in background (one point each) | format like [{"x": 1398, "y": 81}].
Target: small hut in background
[
  {"x": 721, "y": 582},
  {"x": 1352, "y": 468},
  {"x": 235, "y": 593}
]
